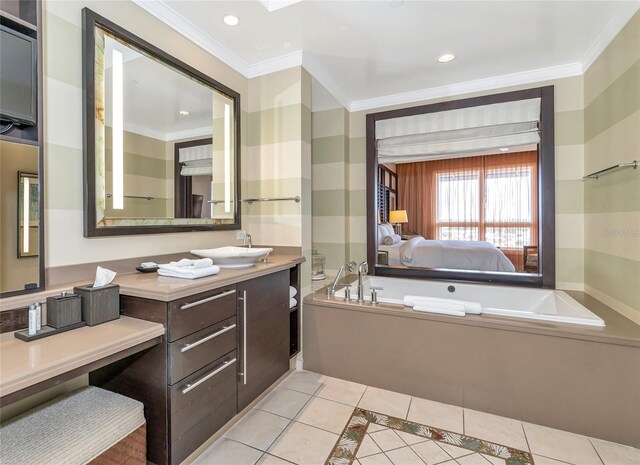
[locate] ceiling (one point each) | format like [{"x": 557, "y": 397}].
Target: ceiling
[{"x": 375, "y": 53}]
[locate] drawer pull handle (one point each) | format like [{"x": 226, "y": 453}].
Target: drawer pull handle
[
  {"x": 224, "y": 329},
  {"x": 226, "y": 364},
  {"x": 208, "y": 299},
  {"x": 244, "y": 337}
]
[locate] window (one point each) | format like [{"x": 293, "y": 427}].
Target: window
[{"x": 494, "y": 204}]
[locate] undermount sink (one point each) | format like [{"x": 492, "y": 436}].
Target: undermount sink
[{"x": 234, "y": 257}]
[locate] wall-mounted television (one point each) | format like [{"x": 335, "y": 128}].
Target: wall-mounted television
[{"x": 18, "y": 78}]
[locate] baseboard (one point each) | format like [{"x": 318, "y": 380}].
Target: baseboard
[{"x": 625, "y": 310}]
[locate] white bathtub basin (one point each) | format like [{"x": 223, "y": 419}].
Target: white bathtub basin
[
  {"x": 514, "y": 302},
  {"x": 234, "y": 257}
]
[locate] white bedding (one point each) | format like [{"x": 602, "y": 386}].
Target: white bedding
[
  {"x": 457, "y": 255},
  {"x": 393, "y": 252}
]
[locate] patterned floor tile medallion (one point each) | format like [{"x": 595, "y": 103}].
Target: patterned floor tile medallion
[{"x": 370, "y": 435}]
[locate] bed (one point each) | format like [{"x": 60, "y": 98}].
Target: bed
[
  {"x": 393, "y": 252},
  {"x": 458, "y": 255}
]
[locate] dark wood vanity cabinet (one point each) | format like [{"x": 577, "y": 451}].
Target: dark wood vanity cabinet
[
  {"x": 263, "y": 311},
  {"x": 222, "y": 349}
]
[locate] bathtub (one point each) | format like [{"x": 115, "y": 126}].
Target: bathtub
[{"x": 513, "y": 302}]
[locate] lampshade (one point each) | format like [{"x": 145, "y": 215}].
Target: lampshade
[{"x": 398, "y": 216}]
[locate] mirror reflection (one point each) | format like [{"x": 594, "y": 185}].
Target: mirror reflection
[
  {"x": 458, "y": 189},
  {"x": 19, "y": 217},
  {"x": 165, "y": 142}
]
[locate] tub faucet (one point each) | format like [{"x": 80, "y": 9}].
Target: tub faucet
[
  {"x": 351, "y": 266},
  {"x": 362, "y": 269}
]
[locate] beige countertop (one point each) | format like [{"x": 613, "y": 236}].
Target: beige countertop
[
  {"x": 152, "y": 286},
  {"x": 618, "y": 329},
  {"x": 24, "y": 364}
]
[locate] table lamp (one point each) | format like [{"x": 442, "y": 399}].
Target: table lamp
[{"x": 398, "y": 217}]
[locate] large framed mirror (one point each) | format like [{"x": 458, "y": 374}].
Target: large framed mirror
[
  {"x": 464, "y": 190},
  {"x": 147, "y": 169}
]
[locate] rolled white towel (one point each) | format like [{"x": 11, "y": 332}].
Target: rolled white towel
[
  {"x": 292, "y": 292},
  {"x": 470, "y": 307},
  {"x": 186, "y": 272},
  {"x": 189, "y": 263},
  {"x": 292, "y": 302},
  {"x": 441, "y": 308},
  {"x": 391, "y": 240}
]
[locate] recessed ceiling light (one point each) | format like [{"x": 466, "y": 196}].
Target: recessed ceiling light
[
  {"x": 231, "y": 20},
  {"x": 446, "y": 58},
  {"x": 183, "y": 113},
  {"x": 504, "y": 149}
]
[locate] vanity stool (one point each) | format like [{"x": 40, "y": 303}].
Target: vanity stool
[{"x": 89, "y": 425}]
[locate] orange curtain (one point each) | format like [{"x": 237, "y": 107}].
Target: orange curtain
[{"x": 486, "y": 198}]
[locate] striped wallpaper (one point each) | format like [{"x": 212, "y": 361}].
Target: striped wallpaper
[{"x": 612, "y": 203}]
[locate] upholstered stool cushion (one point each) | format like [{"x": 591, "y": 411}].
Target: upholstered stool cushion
[{"x": 71, "y": 429}]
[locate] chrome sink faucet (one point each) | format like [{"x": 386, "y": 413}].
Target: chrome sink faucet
[
  {"x": 351, "y": 266},
  {"x": 246, "y": 240},
  {"x": 362, "y": 269}
]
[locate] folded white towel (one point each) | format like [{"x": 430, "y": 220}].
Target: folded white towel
[
  {"x": 391, "y": 240},
  {"x": 469, "y": 307},
  {"x": 187, "y": 272},
  {"x": 441, "y": 308},
  {"x": 189, "y": 263},
  {"x": 292, "y": 292},
  {"x": 292, "y": 302}
]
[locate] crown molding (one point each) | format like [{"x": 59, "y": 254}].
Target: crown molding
[
  {"x": 272, "y": 65},
  {"x": 495, "y": 82},
  {"x": 611, "y": 30},
  {"x": 180, "y": 24},
  {"x": 273, "y": 5},
  {"x": 317, "y": 71}
]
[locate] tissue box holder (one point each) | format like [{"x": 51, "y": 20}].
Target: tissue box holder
[
  {"x": 100, "y": 304},
  {"x": 64, "y": 310}
]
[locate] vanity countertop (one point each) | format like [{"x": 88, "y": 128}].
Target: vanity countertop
[
  {"x": 25, "y": 364},
  {"x": 153, "y": 286}
]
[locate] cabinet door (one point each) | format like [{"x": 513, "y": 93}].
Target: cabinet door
[{"x": 263, "y": 313}]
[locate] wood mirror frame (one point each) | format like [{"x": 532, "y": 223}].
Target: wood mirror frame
[
  {"x": 91, "y": 20},
  {"x": 546, "y": 193}
]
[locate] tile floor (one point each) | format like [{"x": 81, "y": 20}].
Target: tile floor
[{"x": 302, "y": 419}]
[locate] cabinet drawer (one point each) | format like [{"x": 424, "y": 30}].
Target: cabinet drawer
[
  {"x": 201, "y": 404},
  {"x": 192, "y": 352},
  {"x": 191, "y": 314}
]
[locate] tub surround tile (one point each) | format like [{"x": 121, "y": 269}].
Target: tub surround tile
[
  {"x": 387, "y": 402},
  {"x": 454, "y": 451},
  {"x": 303, "y": 444},
  {"x": 473, "y": 459},
  {"x": 494, "y": 428},
  {"x": 284, "y": 402},
  {"x": 258, "y": 429},
  {"x": 341, "y": 391},
  {"x": 428, "y": 412},
  {"x": 561, "y": 445}
]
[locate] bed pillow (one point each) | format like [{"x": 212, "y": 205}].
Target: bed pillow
[
  {"x": 391, "y": 240},
  {"x": 384, "y": 230}
]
